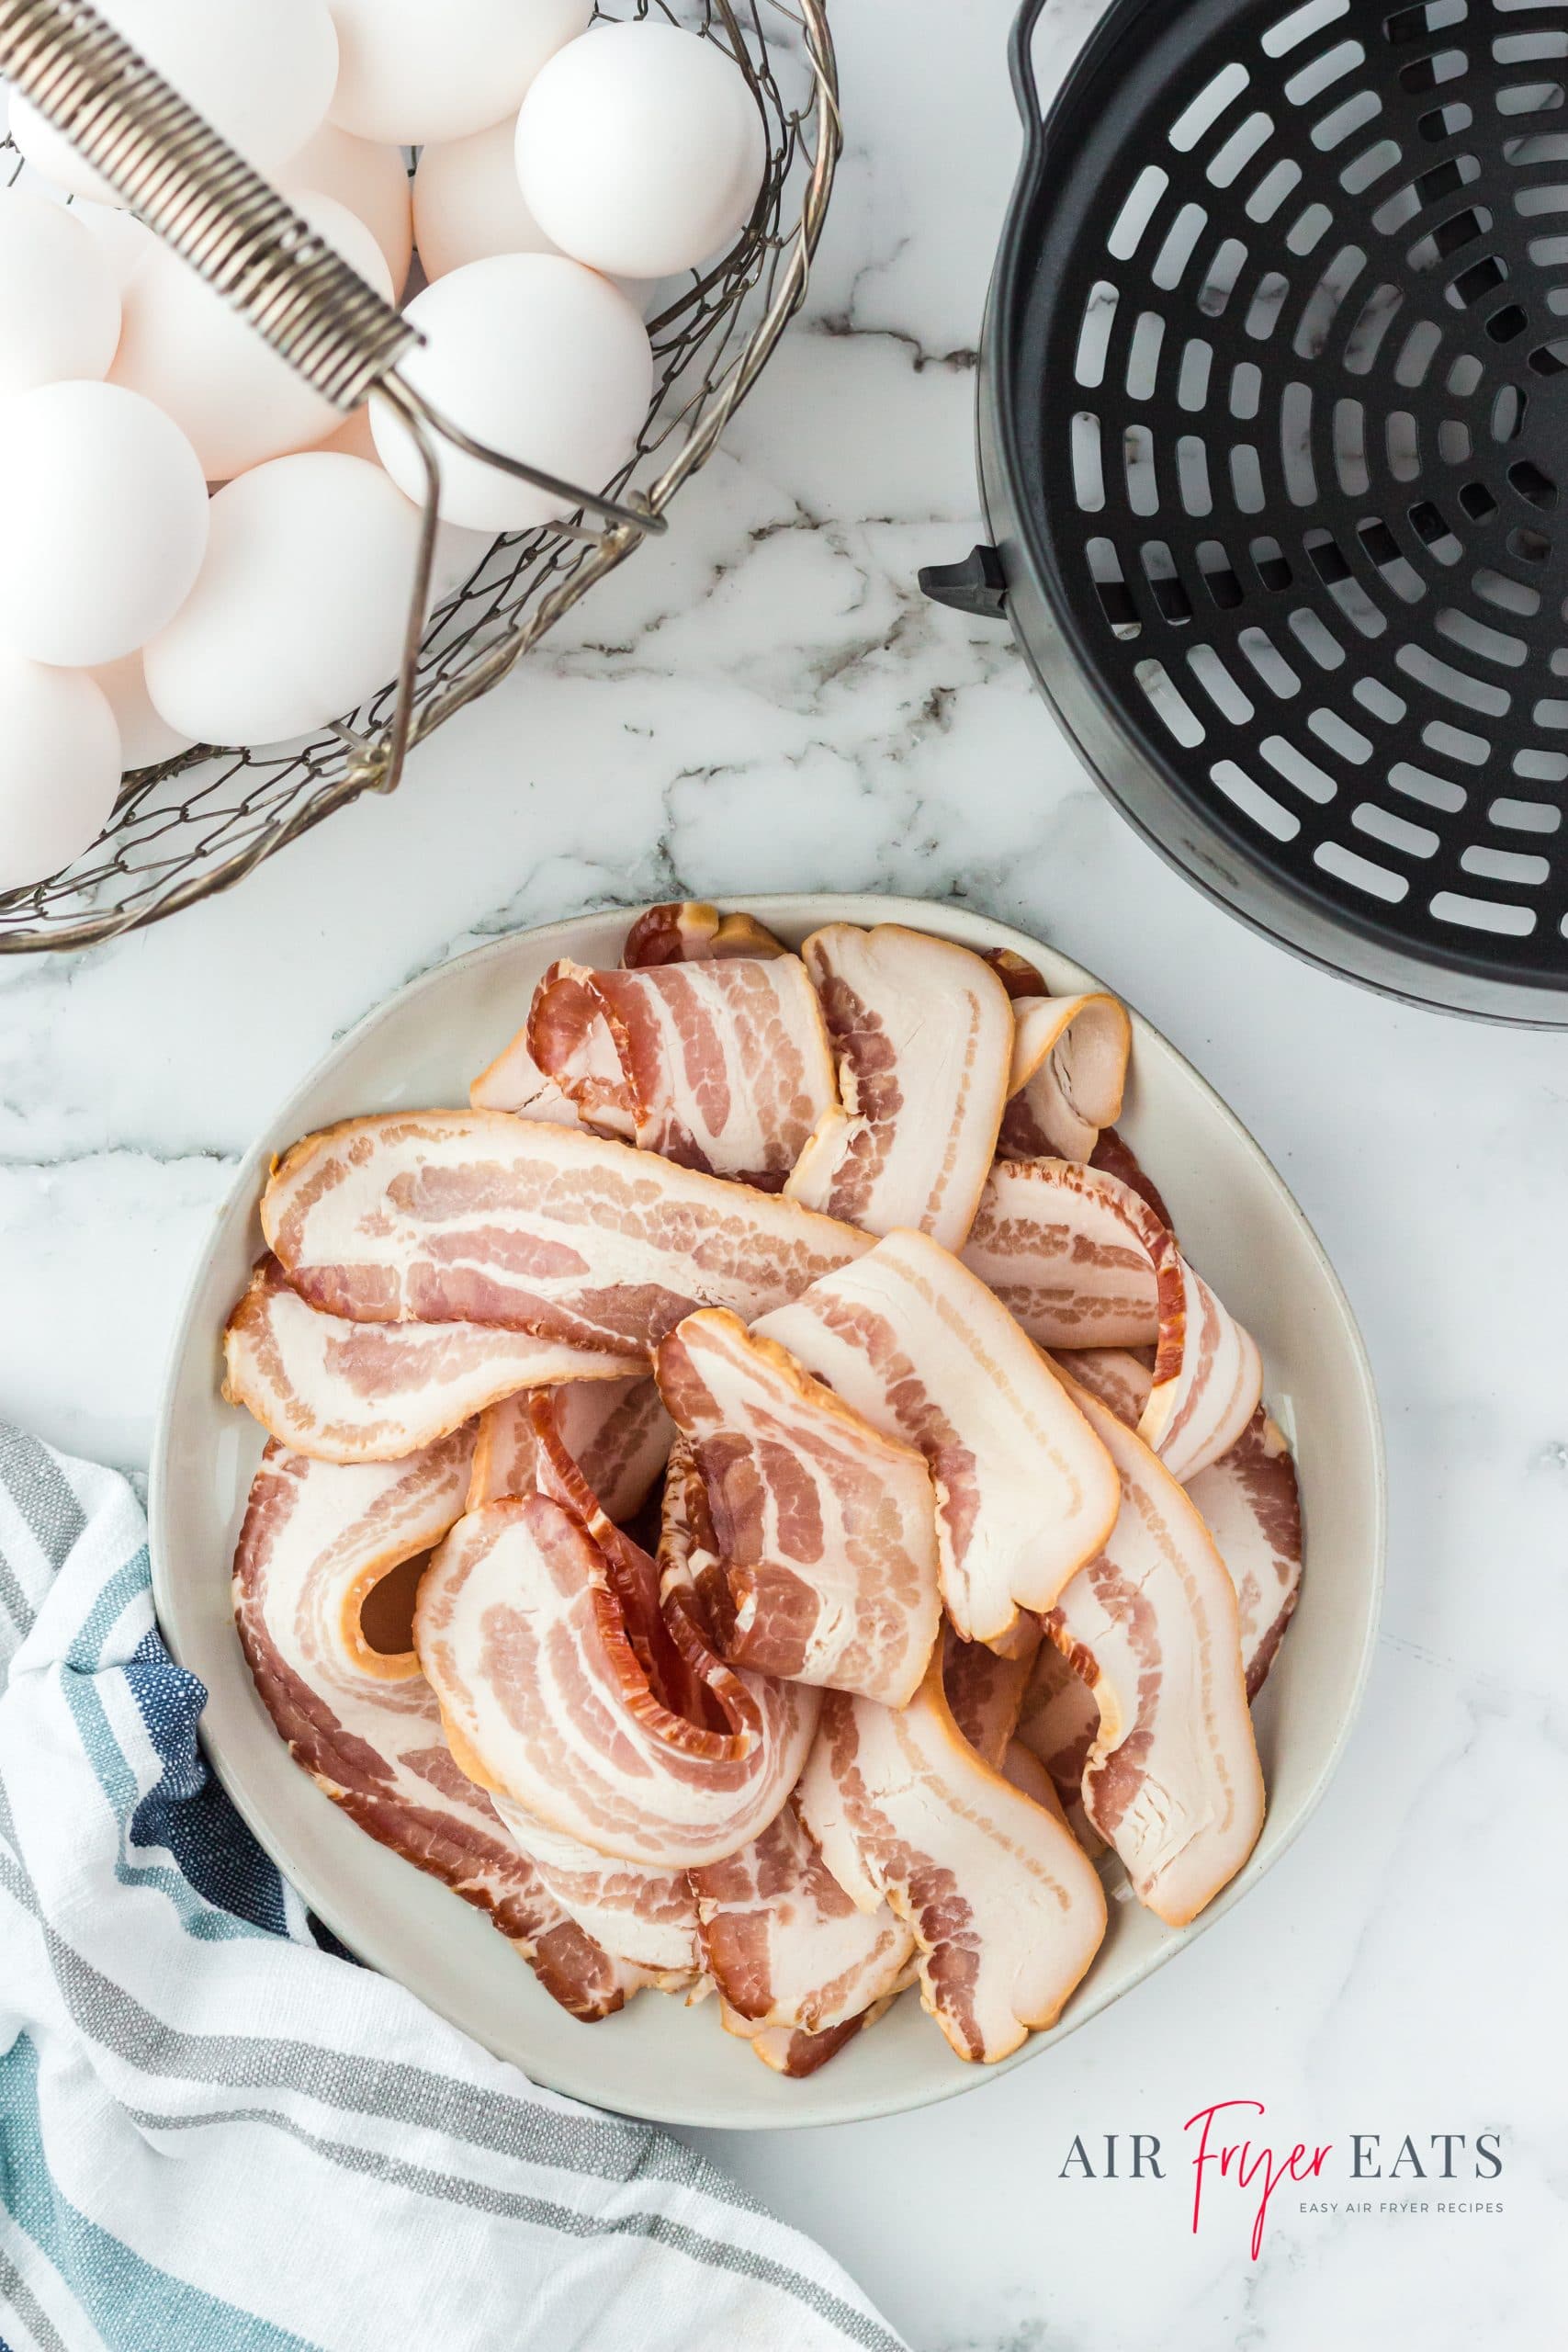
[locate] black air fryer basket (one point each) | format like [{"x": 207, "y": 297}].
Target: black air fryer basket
[{"x": 1273, "y": 428}]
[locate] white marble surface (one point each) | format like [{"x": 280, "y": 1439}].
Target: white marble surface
[{"x": 764, "y": 703}]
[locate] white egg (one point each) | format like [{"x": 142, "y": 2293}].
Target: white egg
[
  {"x": 640, "y": 149},
  {"x": 297, "y": 616},
  {"x": 261, "y": 71},
  {"x": 234, "y": 398},
  {"x": 61, "y": 772},
  {"x": 409, "y": 70},
  {"x": 122, "y": 240},
  {"x": 539, "y": 358},
  {"x": 58, "y": 304},
  {"x": 467, "y": 204},
  {"x": 372, "y": 182},
  {"x": 145, "y": 736},
  {"x": 352, "y": 439},
  {"x": 103, "y": 511}
]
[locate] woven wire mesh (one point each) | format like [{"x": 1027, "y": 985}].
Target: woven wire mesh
[{"x": 198, "y": 824}]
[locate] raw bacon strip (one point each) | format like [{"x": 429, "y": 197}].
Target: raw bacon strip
[
  {"x": 985, "y": 1692},
  {"x": 366, "y": 1392},
  {"x": 785, "y": 1944},
  {"x": 1252, "y": 1505},
  {"x": 647, "y": 1917},
  {"x": 691, "y": 931},
  {"x": 1070, "y": 1068},
  {"x": 923, "y": 1034},
  {"x": 548, "y": 1659},
  {"x": 1115, "y": 1157},
  {"x": 318, "y": 1541},
  {"x": 616, "y": 1429},
  {"x": 1117, "y": 1376},
  {"x": 1172, "y": 1779},
  {"x": 1006, "y": 1911},
  {"x": 826, "y": 1528},
  {"x": 1069, "y": 1253},
  {"x": 916, "y": 1346},
  {"x": 514, "y": 1082},
  {"x": 1060, "y": 1245},
  {"x": 448, "y": 1216},
  {"x": 796, "y": 2054},
  {"x": 722, "y": 1066},
  {"x": 1056, "y": 1726}
]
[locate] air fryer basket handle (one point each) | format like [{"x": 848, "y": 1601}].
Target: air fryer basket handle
[{"x": 1020, "y": 66}]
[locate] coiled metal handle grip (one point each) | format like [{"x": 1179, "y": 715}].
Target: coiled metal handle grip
[{"x": 202, "y": 197}]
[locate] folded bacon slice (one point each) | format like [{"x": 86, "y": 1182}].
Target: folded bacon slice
[
  {"x": 474, "y": 1216},
  {"x": 1249, "y": 1502},
  {"x": 723, "y": 1065},
  {"x": 920, "y": 1349},
  {"x": 691, "y": 931},
  {"x": 513, "y": 1081},
  {"x": 1082, "y": 1261},
  {"x": 786, "y": 1948},
  {"x": 320, "y": 1547},
  {"x": 1069, "y": 1253},
  {"x": 791, "y": 2051},
  {"x": 1252, "y": 1505},
  {"x": 645, "y": 1916},
  {"x": 1120, "y": 1378},
  {"x": 1115, "y": 1156},
  {"x": 1070, "y": 1068},
  {"x": 617, "y": 1431},
  {"x": 1056, "y": 1726},
  {"x": 560, "y": 1688},
  {"x": 986, "y": 1690},
  {"x": 366, "y": 1392},
  {"x": 1172, "y": 1779},
  {"x": 825, "y": 1528},
  {"x": 923, "y": 1034},
  {"x": 1006, "y": 1910}
]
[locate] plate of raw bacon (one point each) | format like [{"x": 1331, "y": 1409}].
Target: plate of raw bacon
[{"x": 767, "y": 1524}]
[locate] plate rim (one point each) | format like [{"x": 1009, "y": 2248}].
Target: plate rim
[{"x": 815, "y": 907}]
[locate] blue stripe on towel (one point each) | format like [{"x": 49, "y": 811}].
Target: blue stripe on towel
[{"x": 129, "y": 2301}]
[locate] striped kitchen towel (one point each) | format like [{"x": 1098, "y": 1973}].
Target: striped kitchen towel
[{"x": 216, "y": 2136}]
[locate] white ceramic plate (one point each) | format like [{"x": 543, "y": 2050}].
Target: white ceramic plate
[{"x": 1239, "y": 1224}]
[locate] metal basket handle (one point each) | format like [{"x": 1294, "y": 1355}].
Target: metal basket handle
[{"x": 183, "y": 179}]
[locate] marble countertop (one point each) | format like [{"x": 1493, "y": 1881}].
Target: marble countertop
[{"x": 766, "y": 702}]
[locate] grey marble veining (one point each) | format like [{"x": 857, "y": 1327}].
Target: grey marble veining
[{"x": 765, "y": 701}]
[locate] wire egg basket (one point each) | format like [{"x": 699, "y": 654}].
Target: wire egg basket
[{"x": 198, "y": 824}]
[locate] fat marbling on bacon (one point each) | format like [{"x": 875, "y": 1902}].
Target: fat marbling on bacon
[
  {"x": 1172, "y": 1779},
  {"x": 566, "y": 1687},
  {"x": 922, "y": 1350},
  {"x": 722, "y": 1064},
  {"x": 794, "y": 1960},
  {"x": 645, "y": 1916},
  {"x": 318, "y": 1540},
  {"x": 923, "y": 1034},
  {"x": 617, "y": 1431},
  {"x": 366, "y": 1392},
  {"x": 1005, "y": 1907},
  {"x": 1065, "y": 1247},
  {"x": 475, "y": 1216},
  {"x": 824, "y": 1526},
  {"x": 1251, "y": 1504}
]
